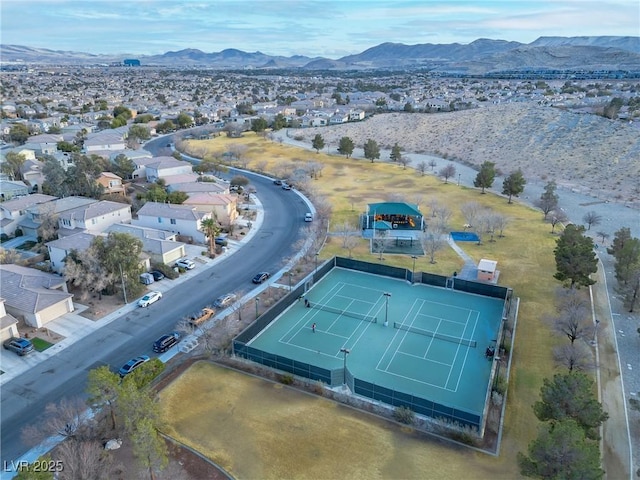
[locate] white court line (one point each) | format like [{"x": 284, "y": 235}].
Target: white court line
[
  {"x": 475, "y": 325},
  {"x": 412, "y": 379},
  {"x": 364, "y": 330},
  {"x": 423, "y": 358},
  {"x": 422, "y": 315}
]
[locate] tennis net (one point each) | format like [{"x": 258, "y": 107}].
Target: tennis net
[
  {"x": 346, "y": 313},
  {"x": 441, "y": 336}
]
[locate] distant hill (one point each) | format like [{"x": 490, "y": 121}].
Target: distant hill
[{"x": 478, "y": 57}]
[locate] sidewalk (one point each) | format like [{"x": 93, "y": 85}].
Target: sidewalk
[{"x": 74, "y": 327}]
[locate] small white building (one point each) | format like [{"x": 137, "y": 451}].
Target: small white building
[{"x": 487, "y": 271}]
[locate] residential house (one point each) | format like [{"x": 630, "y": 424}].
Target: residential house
[
  {"x": 44, "y": 144},
  {"x": 141, "y": 166},
  {"x": 93, "y": 218},
  {"x": 105, "y": 141},
  {"x": 165, "y": 167},
  {"x": 112, "y": 183},
  {"x": 224, "y": 207},
  {"x": 36, "y": 213},
  {"x": 159, "y": 244},
  {"x": 36, "y": 296},
  {"x": 59, "y": 249},
  {"x": 356, "y": 115},
  {"x": 181, "y": 179},
  {"x": 14, "y": 211},
  {"x": 185, "y": 220},
  {"x": 198, "y": 187},
  {"x": 8, "y": 323},
  {"x": 11, "y": 189},
  {"x": 32, "y": 174}
]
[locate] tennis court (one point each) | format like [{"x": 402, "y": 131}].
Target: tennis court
[{"x": 411, "y": 340}]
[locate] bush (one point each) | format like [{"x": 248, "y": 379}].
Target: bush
[
  {"x": 166, "y": 270},
  {"x": 3, "y": 237},
  {"x": 500, "y": 385},
  {"x": 404, "y": 415},
  {"x": 18, "y": 232},
  {"x": 286, "y": 379},
  {"x": 144, "y": 375}
]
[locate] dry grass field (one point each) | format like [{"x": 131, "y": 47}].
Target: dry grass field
[{"x": 524, "y": 254}]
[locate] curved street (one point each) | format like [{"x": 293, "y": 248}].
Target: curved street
[{"x": 131, "y": 330}]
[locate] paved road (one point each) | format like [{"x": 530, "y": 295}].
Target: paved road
[{"x": 24, "y": 398}]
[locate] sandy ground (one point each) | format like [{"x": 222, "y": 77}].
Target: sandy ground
[{"x": 597, "y": 156}]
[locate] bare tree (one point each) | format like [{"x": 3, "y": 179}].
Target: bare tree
[
  {"x": 67, "y": 418},
  {"x": 555, "y": 217},
  {"x": 470, "y": 212},
  {"x": 86, "y": 460},
  {"x": 573, "y": 317},
  {"x": 432, "y": 242},
  {"x": 396, "y": 197},
  {"x": 574, "y": 356},
  {"x": 432, "y": 163},
  {"x": 443, "y": 214},
  {"x": 501, "y": 222},
  {"x": 10, "y": 256},
  {"x": 421, "y": 167},
  {"x": 603, "y": 236},
  {"x": 447, "y": 172},
  {"x": 86, "y": 272},
  {"x": 314, "y": 169},
  {"x": 346, "y": 229},
  {"x": 434, "y": 205},
  {"x": 350, "y": 243},
  {"x": 238, "y": 151},
  {"x": 48, "y": 229},
  {"x": 379, "y": 242},
  {"x": 404, "y": 161},
  {"x": 261, "y": 165},
  {"x": 591, "y": 218}
]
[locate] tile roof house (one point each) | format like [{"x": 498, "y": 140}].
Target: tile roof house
[
  {"x": 59, "y": 249},
  {"x": 14, "y": 211},
  {"x": 112, "y": 183},
  {"x": 198, "y": 187},
  {"x": 224, "y": 207},
  {"x": 8, "y": 323},
  {"x": 159, "y": 244},
  {"x": 37, "y": 296},
  {"x": 93, "y": 218},
  {"x": 184, "y": 220}
]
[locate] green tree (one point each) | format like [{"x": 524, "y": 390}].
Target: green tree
[
  {"x": 396, "y": 153},
  {"x": 239, "y": 180},
  {"x": 144, "y": 118},
  {"x": 123, "y": 166},
  {"x": 82, "y": 175},
  {"x": 561, "y": 452},
  {"x": 619, "y": 239},
  {"x": 102, "y": 388},
  {"x": 55, "y": 179},
  {"x": 627, "y": 260},
  {"x": 371, "y": 150},
  {"x": 119, "y": 254},
  {"x": 486, "y": 176},
  {"x": 548, "y": 201},
  {"x": 149, "y": 447},
  {"x": 279, "y": 122},
  {"x": 575, "y": 258},
  {"x": 19, "y": 134},
  {"x": 67, "y": 147},
  {"x": 184, "y": 120},
  {"x": 123, "y": 112},
  {"x": 12, "y": 165},
  {"x": 139, "y": 133},
  {"x": 165, "y": 127},
  {"x": 630, "y": 290},
  {"x": 345, "y": 146},
  {"x": 156, "y": 193},
  {"x": 513, "y": 185},
  {"x": 211, "y": 229},
  {"x": 570, "y": 396},
  {"x": 259, "y": 125},
  {"x": 177, "y": 197},
  {"x": 317, "y": 143},
  {"x": 408, "y": 107}
]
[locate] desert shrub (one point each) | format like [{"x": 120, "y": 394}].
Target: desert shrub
[
  {"x": 457, "y": 431},
  {"x": 404, "y": 415},
  {"x": 318, "y": 388},
  {"x": 286, "y": 379},
  {"x": 500, "y": 385}
]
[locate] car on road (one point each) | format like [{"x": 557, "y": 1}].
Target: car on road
[
  {"x": 157, "y": 275},
  {"x": 149, "y": 298},
  {"x": 132, "y": 364},
  {"x": 165, "y": 342},
  {"x": 286, "y": 186},
  {"x": 186, "y": 264},
  {"x": 21, "y": 346},
  {"x": 224, "y": 300},
  {"x": 277, "y": 182},
  {"x": 308, "y": 217},
  {"x": 261, "y": 277}
]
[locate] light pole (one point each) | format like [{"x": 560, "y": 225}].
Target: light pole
[
  {"x": 290, "y": 275},
  {"x": 386, "y": 308},
  {"x": 413, "y": 272},
  {"x": 346, "y": 352},
  {"x": 257, "y": 301},
  {"x": 124, "y": 287},
  {"x": 459, "y": 179},
  {"x": 317, "y": 253}
]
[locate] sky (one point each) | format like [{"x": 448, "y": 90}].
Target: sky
[{"x": 327, "y": 28}]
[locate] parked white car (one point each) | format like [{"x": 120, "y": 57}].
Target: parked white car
[
  {"x": 149, "y": 298},
  {"x": 308, "y": 217},
  {"x": 186, "y": 263}
]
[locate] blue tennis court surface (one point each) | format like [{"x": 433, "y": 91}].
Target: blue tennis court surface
[{"x": 417, "y": 341}]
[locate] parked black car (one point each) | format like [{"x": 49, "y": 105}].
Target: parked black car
[
  {"x": 165, "y": 342},
  {"x": 157, "y": 275},
  {"x": 261, "y": 277}
]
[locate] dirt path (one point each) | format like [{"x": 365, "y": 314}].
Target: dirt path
[{"x": 616, "y": 446}]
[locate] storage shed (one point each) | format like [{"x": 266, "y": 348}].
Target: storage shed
[{"x": 487, "y": 270}]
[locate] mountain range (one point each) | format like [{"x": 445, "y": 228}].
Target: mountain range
[{"x": 479, "y": 57}]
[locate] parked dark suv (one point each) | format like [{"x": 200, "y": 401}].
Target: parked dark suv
[
  {"x": 165, "y": 342},
  {"x": 21, "y": 346}
]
